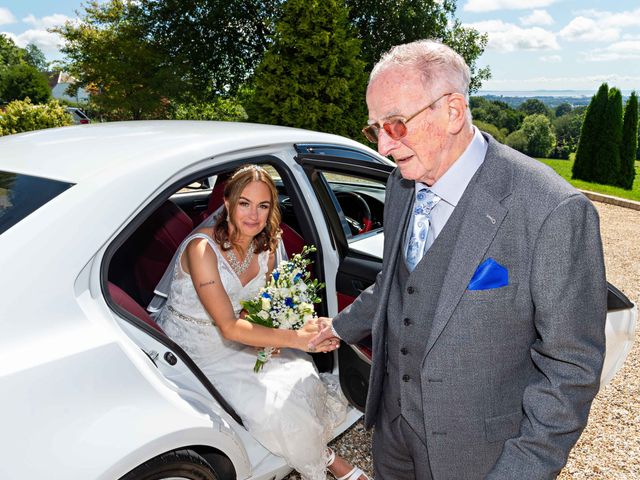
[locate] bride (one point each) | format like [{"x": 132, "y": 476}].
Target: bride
[{"x": 287, "y": 406}]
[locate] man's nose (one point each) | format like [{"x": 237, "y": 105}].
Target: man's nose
[{"x": 386, "y": 144}]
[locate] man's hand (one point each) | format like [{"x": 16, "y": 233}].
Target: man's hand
[{"x": 325, "y": 334}]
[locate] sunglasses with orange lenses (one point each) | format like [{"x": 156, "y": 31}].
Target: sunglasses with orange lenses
[{"x": 395, "y": 127}]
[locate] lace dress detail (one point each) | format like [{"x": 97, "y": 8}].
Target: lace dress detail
[{"x": 288, "y": 407}]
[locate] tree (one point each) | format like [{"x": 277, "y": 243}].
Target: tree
[
  {"x": 381, "y": 24},
  {"x": 497, "y": 113},
  {"x": 517, "y": 140},
  {"x": 563, "y": 109},
  {"x": 491, "y": 129},
  {"x": 311, "y": 77},
  {"x": 539, "y": 134},
  {"x": 10, "y": 53},
  {"x": 35, "y": 57},
  {"x": 24, "y": 81},
  {"x": 533, "y": 106},
  {"x": 607, "y": 167},
  {"x": 629, "y": 144},
  {"x": 111, "y": 55},
  {"x": 567, "y": 128},
  {"x": 590, "y": 146},
  {"x": 215, "y": 43}
]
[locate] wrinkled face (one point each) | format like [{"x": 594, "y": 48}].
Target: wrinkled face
[
  {"x": 251, "y": 213},
  {"x": 421, "y": 154}
]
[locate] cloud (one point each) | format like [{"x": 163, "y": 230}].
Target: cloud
[
  {"x": 507, "y": 37},
  {"x": 624, "y": 50},
  {"x": 551, "y": 58},
  {"x": 493, "y": 5},
  {"x": 6, "y": 16},
  {"x": 601, "y": 26},
  {"x": 582, "y": 82},
  {"x": 48, "y": 42},
  {"x": 583, "y": 29},
  {"x": 537, "y": 17},
  {"x": 39, "y": 35},
  {"x": 44, "y": 23}
]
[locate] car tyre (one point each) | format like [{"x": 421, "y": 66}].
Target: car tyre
[{"x": 179, "y": 464}]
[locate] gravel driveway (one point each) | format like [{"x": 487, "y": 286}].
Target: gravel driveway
[{"x": 610, "y": 445}]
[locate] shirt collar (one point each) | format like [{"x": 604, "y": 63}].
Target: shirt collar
[{"x": 453, "y": 183}]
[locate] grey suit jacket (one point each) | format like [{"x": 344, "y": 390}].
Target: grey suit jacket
[{"x": 517, "y": 367}]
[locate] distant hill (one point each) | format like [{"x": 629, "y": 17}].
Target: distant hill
[{"x": 551, "y": 98}]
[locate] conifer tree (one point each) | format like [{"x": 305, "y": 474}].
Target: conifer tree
[
  {"x": 607, "y": 165},
  {"x": 590, "y": 146},
  {"x": 629, "y": 145},
  {"x": 312, "y": 76}
]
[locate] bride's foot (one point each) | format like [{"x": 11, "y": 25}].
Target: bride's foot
[{"x": 343, "y": 470}]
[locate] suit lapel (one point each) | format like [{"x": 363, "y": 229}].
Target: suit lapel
[
  {"x": 394, "y": 244},
  {"x": 482, "y": 216}
]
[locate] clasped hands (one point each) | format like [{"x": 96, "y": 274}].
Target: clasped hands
[{"x": 324, "y": 339}]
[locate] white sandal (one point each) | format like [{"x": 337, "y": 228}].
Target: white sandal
[{"x": 354, "y": 474}]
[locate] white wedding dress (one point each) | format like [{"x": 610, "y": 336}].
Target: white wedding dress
[{"x": 288, "y": 407}]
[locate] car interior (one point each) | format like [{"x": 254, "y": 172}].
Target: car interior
[{"x": 139, "y": 262}]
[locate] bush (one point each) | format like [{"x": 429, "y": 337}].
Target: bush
[
  {"x": 539, "y": 133},
  {"x": 23, "y": 116},
  {"x": 517, "y": 140},
  {"x": 222, "y": 109},
  {"x": 490, "y": 129},
  {"x": 24, "y": 81}
]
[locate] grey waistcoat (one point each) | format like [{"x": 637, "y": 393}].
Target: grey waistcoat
[{"x": 412, "y": 304}]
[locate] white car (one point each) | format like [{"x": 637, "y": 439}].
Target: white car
[{"x": 91, "y": 388}]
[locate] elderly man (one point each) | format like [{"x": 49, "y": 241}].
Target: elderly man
[{"x": 487, "y": 318}]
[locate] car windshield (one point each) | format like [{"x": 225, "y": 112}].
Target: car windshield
[{"x": 21, "y": 195}]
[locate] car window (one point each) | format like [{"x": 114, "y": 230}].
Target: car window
[
  {"x": 21, "y": 195},
  {"x": 360, "y": 201}
]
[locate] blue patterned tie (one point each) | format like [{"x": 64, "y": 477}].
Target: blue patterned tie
[{"x": 425, "y": 201}]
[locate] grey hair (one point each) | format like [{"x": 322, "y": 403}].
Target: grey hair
[{"x": 437, "y": 63}]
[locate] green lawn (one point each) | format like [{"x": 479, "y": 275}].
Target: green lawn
[{"x": 563, "y": 168}]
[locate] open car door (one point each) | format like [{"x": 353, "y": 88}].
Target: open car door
[{"x": 350, "y": 186}]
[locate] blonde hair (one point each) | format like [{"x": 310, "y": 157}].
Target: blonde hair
[{"x": 268, "y": 238}]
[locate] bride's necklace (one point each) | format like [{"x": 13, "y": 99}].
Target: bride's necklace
[{"x": 236, "y": 265}]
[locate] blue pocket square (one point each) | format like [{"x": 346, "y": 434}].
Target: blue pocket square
[{"x": 489, "y": 274}]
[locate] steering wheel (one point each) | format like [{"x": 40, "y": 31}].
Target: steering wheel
[{"x": 356, "y": 211}]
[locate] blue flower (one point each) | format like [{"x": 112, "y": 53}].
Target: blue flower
[
  {"x": 289, "y": 302},
  {"x": 275, "y": 275},
  {"x": 266, "y": 295},
  {"x": 297, "y": 277}
]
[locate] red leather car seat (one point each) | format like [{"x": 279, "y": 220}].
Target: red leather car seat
[
  {"x": 158, "y": 238},
  {"x": 129, "y": 304}
]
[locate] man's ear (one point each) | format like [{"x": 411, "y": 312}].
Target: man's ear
[{"x": 457, "y": 105}]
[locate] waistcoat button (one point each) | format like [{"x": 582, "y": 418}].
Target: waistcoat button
[
  {"x": 407, "y": 321},
  {"x": 406, "y": 378},
  {"x": 410, "y": 290},
  {"x": 404, "y": 351}
]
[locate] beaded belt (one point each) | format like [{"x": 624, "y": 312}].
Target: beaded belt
[{"x": 189, "y": 318}]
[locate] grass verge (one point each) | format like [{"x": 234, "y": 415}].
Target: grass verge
[{"x": 563, "y": 168}]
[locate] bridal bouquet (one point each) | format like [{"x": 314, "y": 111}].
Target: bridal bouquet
[{"x": 286, "y": 301}]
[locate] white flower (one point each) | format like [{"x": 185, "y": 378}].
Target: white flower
[
  {"x": 264, "y": 315},
  {"x": 266, "y": 304}
]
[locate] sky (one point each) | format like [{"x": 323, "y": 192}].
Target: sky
[{"x": 533, "y": 44}]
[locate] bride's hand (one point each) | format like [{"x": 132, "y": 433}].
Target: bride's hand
[
  {"x": 309, "y": 332},
  {"x": 311, "y": 326}
]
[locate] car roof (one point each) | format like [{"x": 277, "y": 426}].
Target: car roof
[{"x": 74, "y": 153}]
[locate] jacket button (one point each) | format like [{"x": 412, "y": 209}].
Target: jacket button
[
  {"x": 410, "y": 290},
  {"x": 406, "y": 378},
  {"x": 407, "y": 321},
  {"x": 404, "y": 351}
]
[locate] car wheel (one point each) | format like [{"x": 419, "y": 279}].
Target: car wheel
[{"x": 176, "y": 465}]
